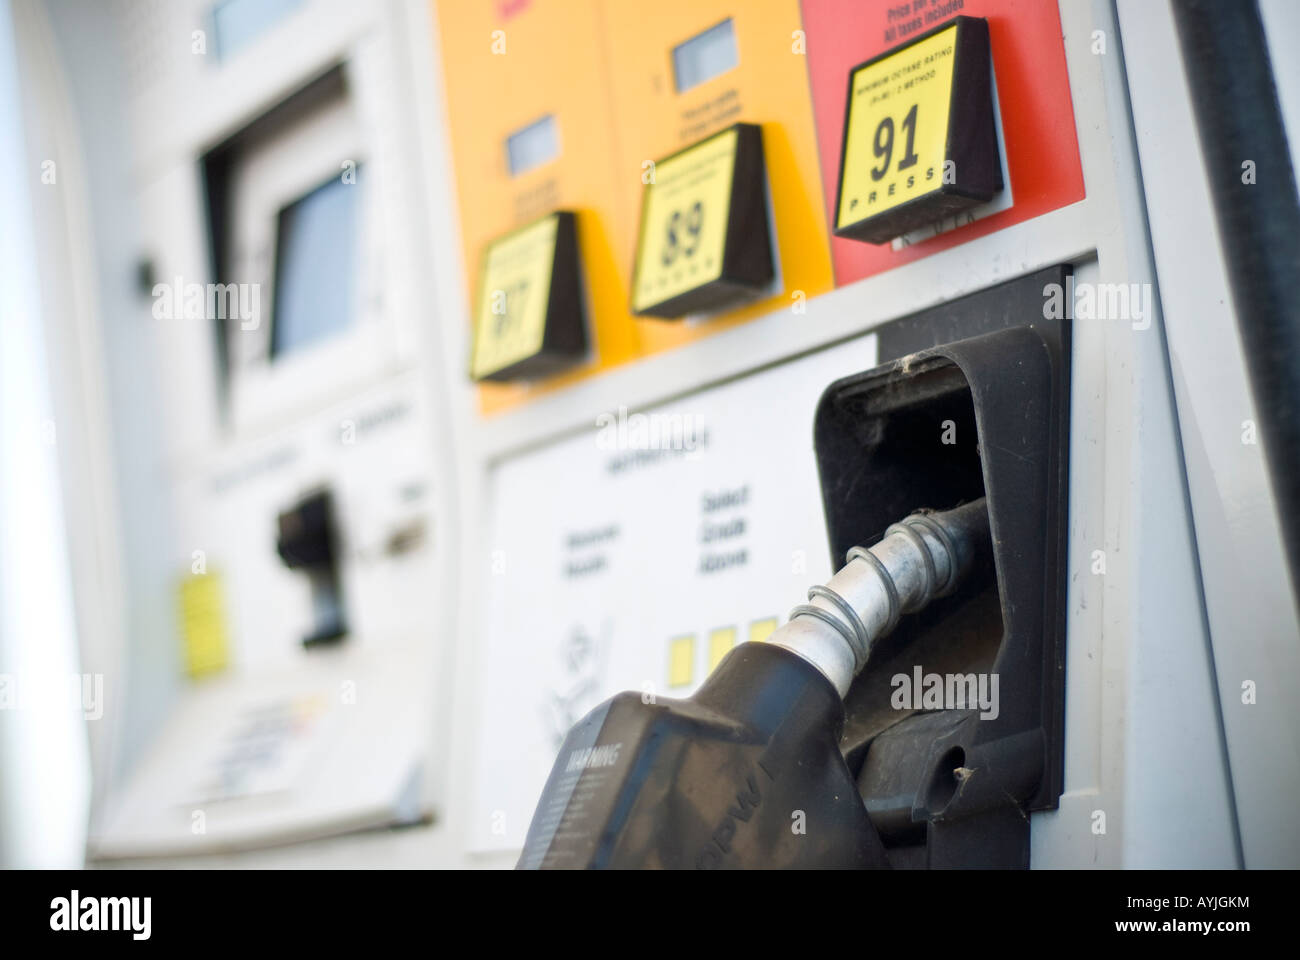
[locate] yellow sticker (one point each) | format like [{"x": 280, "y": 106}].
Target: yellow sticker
[
  {"x": 760, "y": 630},
  {"x": 720, "y": 644},
  {"x": 684, "y": 216},
  {"x": 203, "y": 624},
  {"x": 681, "y": 661},
  {"x": 898, "y": 128},
  {"x": 516, "y": 287}
]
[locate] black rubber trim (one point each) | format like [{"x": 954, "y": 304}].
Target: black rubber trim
[{"x": 1225, "y": 56}]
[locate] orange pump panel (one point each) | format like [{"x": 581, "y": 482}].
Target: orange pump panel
[
  {"x": 507, "y": 66},
  {"x": 604, "y": 70},
  {"x": 768, "y": 86}
]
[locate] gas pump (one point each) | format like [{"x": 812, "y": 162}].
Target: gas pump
[
  {"x": 726, "y": 776},
  {"x": 942, "y": 643},
  {"x": 424, "y": 374}
]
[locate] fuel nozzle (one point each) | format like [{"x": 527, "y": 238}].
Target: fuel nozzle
[
  {"x": 920, "y": 558},
  {"x": 748, "y": 771}
]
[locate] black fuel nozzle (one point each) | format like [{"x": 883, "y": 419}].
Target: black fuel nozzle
[{"x": 748, "y": 771}]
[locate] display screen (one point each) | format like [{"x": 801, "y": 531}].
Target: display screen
[
  {"x": 237, "y": 22},
  {"x": 534, "y": 145},
  {"x": 705, "y": 56},
  {"x": 315, "y": 267}
]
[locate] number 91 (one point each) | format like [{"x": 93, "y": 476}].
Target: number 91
[{"x": 883, "y": 144}]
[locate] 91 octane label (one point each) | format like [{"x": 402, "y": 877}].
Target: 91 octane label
[
  {"x": 897, "y": 128},
  {"x": 684, "y": 222},
  {"x": 516, "y": 288}
]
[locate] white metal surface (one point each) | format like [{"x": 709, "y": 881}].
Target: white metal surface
[
  {"x": 1249, "y": 605},
  {"x": 191, "y": 484},
  {"x": 1138, "y": 670},
  {"x": 640, "y": 544},
  {"x": 45, "y": 792},
  {"x": 1144, "y": 743}
]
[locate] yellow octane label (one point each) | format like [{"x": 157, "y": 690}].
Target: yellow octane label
[
  {"x": 684, "y": 221},
  {"x": 898, "y": 128},
  {"x": 203, "y": 624},
  {"x": 516, "y": 287}
]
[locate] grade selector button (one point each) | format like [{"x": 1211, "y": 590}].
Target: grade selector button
[
  {"x": 721, "y": 642},
  {"x": 531, "y": 320},
  {"x": 704, "y": 243},
  {"x": 920, "y": 143},
  {"x": 760, "y": 630},
  {"x": 681, "y": 661}
]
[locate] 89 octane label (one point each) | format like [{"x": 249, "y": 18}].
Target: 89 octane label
[{"x": 684, "y": 223}]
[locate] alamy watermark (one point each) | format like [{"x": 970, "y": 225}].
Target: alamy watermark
[
  {"x": 649, "y": 431},
  {"x": 82, "y": 692},
  {"x": 75, "y": 913},
  {"x": 946, "y": 691},
  {"x": 212, "y": 301},
  {"x": 1099, "y": 301}
]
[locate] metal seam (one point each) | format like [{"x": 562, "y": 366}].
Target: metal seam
[
  {"x": 862, "y": 646},
  {"x": 808, "y": 610},
  {"x": 887, "y": 579},
  {"x": 949, "y": 547},
  {"x": 927, "y": 561}
]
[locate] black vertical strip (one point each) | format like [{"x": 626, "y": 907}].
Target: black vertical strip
[
  {"x": 1235, "y": 102},
  {"x": 214, "y": 172}
]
